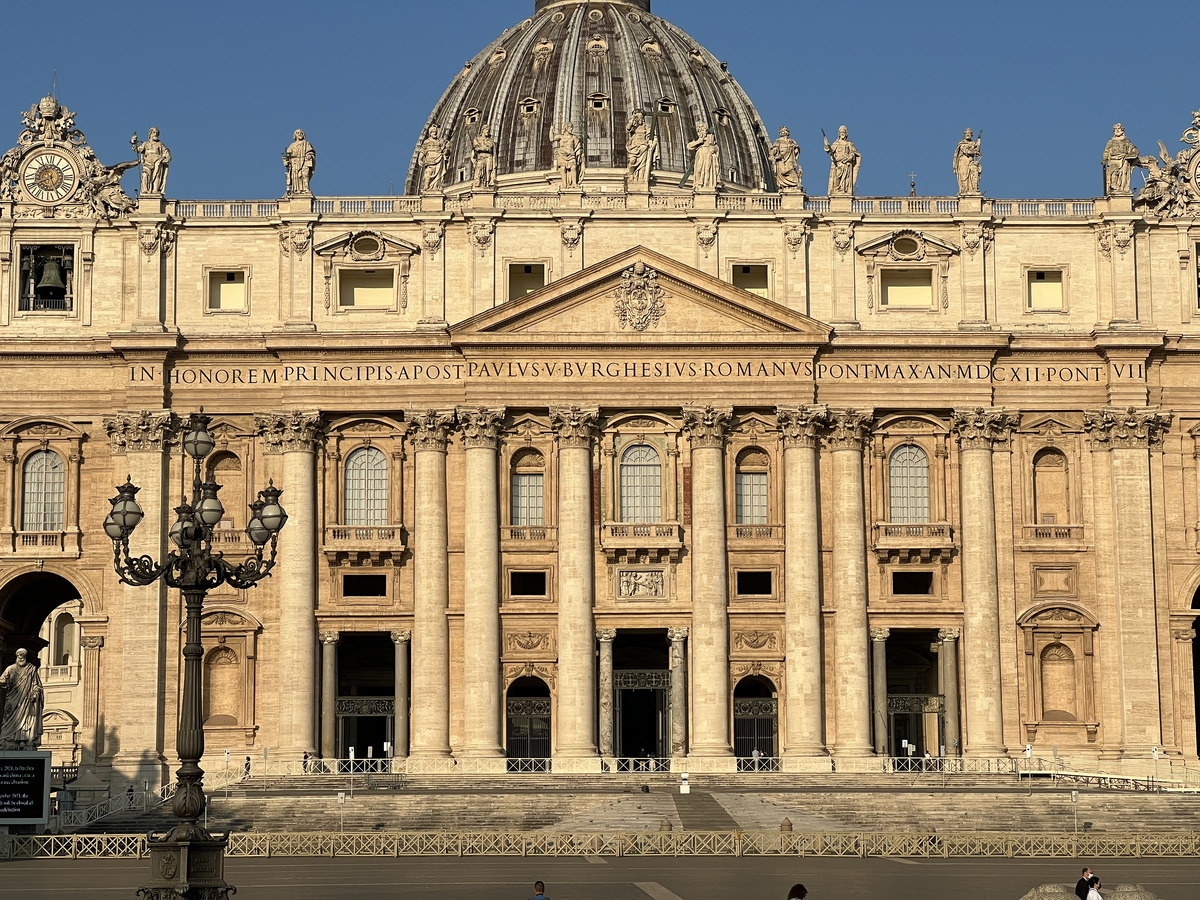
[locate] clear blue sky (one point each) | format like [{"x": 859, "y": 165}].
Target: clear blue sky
[{"x": 227, "y": 82}]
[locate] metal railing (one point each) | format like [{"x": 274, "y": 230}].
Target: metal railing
[
  {"x": 859, "y": 844},
  {"x": 759, "y": 765}
]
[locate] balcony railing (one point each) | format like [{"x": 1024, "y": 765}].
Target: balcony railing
[
  {"x": 617, "y": 538},
  {"x": 68, "y": 674},
  {"x": 528, "y": 534},
  {"x": 927, "y": 539},
  {"x": 1052, "y": 532},
  {"x": 759, "y": 536},
  {"x": 40, "y": 540},
  {"x": 354, "y": 536}
]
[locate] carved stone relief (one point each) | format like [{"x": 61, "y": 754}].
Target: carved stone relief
[
  {"x": 640, "y": 299},
  {"x": 641, "y": 583}
]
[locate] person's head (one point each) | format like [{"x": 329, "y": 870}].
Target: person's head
[
  {"x": 843, "y": 131},
  {"x": 1118, "y": 130},
  {"x": 798, "y": 892},
  {"x": 785, "y": 131},
  {"x": 1087, "y": 872},
  {"x": 153, "y": 133},
  {"x": 298, "y": 135},
  {"x": 539, "y": 887},
  {"x": 22, "y": 656},
  {"x": 968, "y": 134},
  {"x": 1094, "y": 881}
]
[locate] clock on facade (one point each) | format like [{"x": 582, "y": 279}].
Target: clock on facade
[{"x": 49, "y": 176}]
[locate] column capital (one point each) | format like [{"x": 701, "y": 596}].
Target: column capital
[
  {"x": 706, "y": 426},
  {"x": 880, "y": 635},
  {"x": 576, "y": 426},
  {"x": 431, "y": 429},
  {"x": 287, "y": 431},
  {"x": 980, "y": 428},
  {"x": 802, "y": 426},
  {"x": 91, "y": 641},
  {"x": 606, "y": 635},
  {"x": 403, "y": 636},
  {"x": 145, "y": 431},
  {"x": 849, "y": 428},
  {"x": 1184, "y": 635},
  {"x": 330, "y": 637},
  {"x": 677, "y": 635},
  {"x": 1128, "y": 427},
  {"x": 949, "y": 634},
  {"x": 481, "y": 426}
]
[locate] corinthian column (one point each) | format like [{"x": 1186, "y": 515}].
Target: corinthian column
[
  {"x": 804, "y": 673},
  {"x": 678, "y": 698},
  {"x": 1129, "y": 434},
  {"x": 852, "y": 690},
  {"x": 705, "y": 428},
  {"x": 431, "y": 629},
  {"x": 139, "y": 440},
  {"x": 576, "y": 710},
  {"x": 483, "y": 718},
  {"x": 295, "y": 434},
  {"x": 978, "y": 431}
]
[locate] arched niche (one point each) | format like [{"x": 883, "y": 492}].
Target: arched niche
[{"x": 1059, "y": 649}]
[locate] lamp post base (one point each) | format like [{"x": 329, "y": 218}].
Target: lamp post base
[{"x": 189, "y": 869}]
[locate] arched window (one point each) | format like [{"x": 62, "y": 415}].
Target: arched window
[
  {"x": 366, "y": 487},
  {"x": 750, "y": 483},
  {"x": 641, "y": 485},
  {"x": 44, "y": 490},
  {"x": 1059, "y": 695},
  {"x": 529, "y": 489},
  {"x": 908, "y": 477},
  {"x": 222, "y": 688},
  {"x": 226, "y": 470},
  {"x": 64, "y": 640},
  {"x": 1051, "y": 502}
]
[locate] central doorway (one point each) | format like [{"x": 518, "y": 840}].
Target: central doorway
[
  {"x": 366, "y": 703},
  {"x": 915, "y": 703},
  {"x": 755, "y": 723},
  {"x": 641, "y": 701},
  {"x": 527, "y": 725}
]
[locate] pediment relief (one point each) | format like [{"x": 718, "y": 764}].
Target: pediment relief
[
  {"x": 1063, "y": 615},
  {"x": 1051, "y": 424},
  {"x": 641, "y": 423},
  {"x": 366, "y": 246},
  {"x": 41, "y": 428},
  {"x": 907, "y": 246},
  {"x": 640, "y": 296},
  {"x": 372, "y": 427},
  {"x": 909, "y": 424}
]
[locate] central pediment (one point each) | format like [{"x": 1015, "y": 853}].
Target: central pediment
[{"x": 640, "y": 296}]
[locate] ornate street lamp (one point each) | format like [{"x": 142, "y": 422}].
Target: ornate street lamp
[{"x": 189, "y": 861}]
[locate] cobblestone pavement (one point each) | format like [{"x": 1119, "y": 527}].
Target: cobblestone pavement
[{"x": 609, "y": 879}]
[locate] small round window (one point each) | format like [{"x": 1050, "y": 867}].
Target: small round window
[
  {"x": 366, "y": 246},
  {"x": 905, "y": 246}
]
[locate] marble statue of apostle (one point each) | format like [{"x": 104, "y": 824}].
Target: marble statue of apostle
[
  {"x": 300, "y": 162},
  {"x": 785, "y": 158},
  {"x": 642, "y": 153},
  {"x": 1120, "y": 156},
  {"x": 21, "y": 726},
  {"x": 155, "y": 159},
  {"x": 967, "y": 166},
  {"x": 568, "y": 157},
  {"x": 845, "y": 161},
  {"x": 433, "y": 157},
  {"x": 483, "y": 159},
  {"x": 706, "y": 171}
]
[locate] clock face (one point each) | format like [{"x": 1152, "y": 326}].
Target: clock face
[{"x": 49, "y": 176}]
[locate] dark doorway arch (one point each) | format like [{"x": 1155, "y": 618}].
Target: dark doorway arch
[
  {"x": 755, "y": 723},
  {"x": 25, "y": 603},
  {"x": 527, "y": 725},
  {"x": 1196, "y": 669}
]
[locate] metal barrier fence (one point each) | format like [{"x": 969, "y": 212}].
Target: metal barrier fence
[{"x": 945, "y": 845}]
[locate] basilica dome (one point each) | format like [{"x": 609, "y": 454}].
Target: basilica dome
[{"x": 594, "y": 64}]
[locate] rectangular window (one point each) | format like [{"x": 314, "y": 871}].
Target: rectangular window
[
  {"x": 752, "y": 278},
  {"x": 366, "y": 288},
  {"x": 912, "y": 583},
  {"x": 754, "y": 584},
  {"x": 47, "y": 278},
  {"x": 364, "y": 585},
  {"x": 527, "y": 584},
  {"x": 906, "y": 288},
  {"x": 227, "y": 290},
  {"x": 1045, "y": 290},
  {"x": 525, "y": 278},
  {"x": 751, "y": 498},
  {"x": 528, "y": 505}
]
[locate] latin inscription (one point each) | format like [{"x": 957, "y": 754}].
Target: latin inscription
[{"x": 636, "y": 370}]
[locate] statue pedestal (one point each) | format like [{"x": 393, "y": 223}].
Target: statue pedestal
[
  {"x": 1120, "y": 203},
  {"x": 637, "y": 198},
  {"x": 433, "y": 202},
  {"x": 297, "y": 203},
  {"x": 841, "y": 203},
  {"x": 572, "y": 198},
  {"x": 151, "y": 205},
  {"x": 792, "y": 200},
  {"x": 483, "y": 199},
  {"x": 705, "y": 200},
  {"x": 970, "y": 203}
]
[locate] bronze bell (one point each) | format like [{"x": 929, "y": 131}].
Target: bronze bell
[{"x": 51, "y": 276}]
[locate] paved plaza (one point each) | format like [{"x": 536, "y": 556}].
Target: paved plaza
[{"x": 609, "y": 879}]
